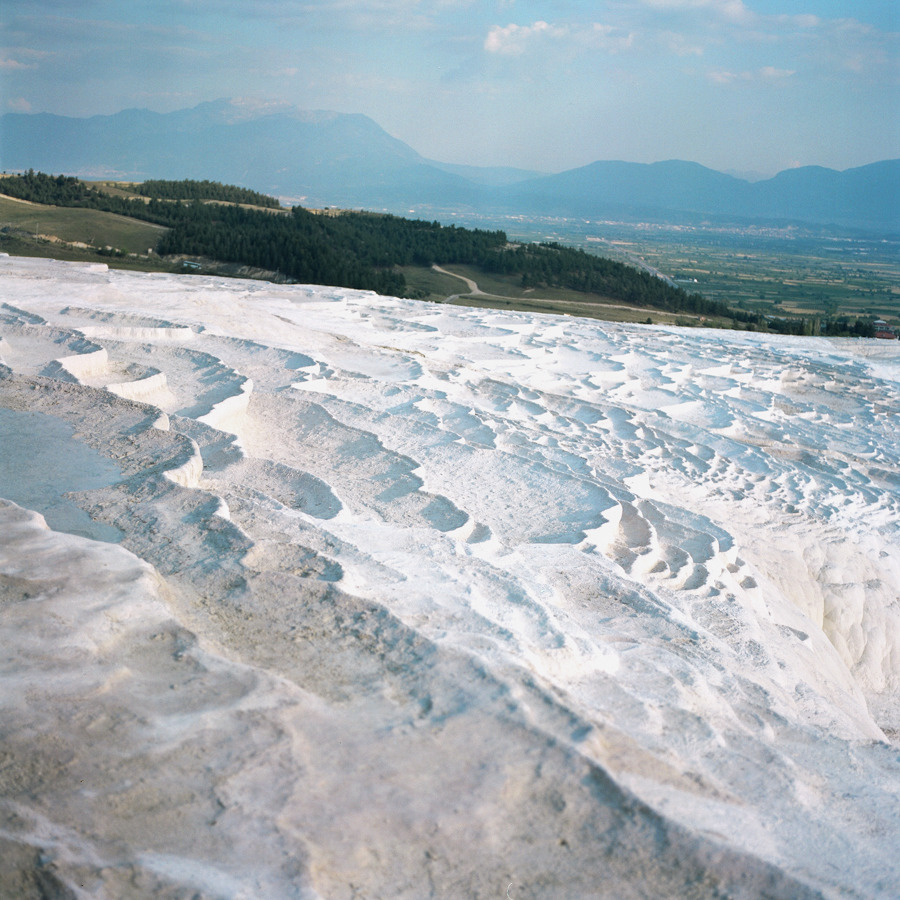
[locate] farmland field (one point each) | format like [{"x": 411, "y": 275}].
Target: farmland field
[
  {"x": 783, "y": 270},
  {"x": 795, "y": 275}
]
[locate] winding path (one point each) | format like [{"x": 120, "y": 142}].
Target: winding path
[
  {"x": 475, "y": 291},
  {"x": 472, "y": 286}
]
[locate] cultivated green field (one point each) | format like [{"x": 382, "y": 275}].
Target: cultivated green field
[
  {"x": 805, "y": 277},
  {"x": 790, "y": 270},
  {"x": 89, "y": 227}
]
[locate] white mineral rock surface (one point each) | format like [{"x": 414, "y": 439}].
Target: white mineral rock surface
[{"x": 310, "y": 593}]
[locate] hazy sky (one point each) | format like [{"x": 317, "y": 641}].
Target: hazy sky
[{"x": 542, "y": 84}]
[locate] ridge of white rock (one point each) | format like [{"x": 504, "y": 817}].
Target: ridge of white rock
[{"x": 416, "y": 601}]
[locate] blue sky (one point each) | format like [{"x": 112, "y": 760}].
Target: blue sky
[{"x": 543, "y": 84}]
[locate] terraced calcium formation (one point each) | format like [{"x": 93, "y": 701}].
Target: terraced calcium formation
[{"x": 350, "y": 596}]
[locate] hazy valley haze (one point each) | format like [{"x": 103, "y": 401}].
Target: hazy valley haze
[{"x": 321, "y": 158}]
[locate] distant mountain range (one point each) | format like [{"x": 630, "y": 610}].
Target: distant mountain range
[{"x": 333, "y": 159}]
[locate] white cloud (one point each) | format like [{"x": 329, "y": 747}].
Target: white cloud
[
  {"x": 19, "y": 104},
  {"x": 729, "y": 10},
  {"x": 14, "y": 58},
  {"x": 766, "y": 73},
  {"x": 609, "y": 38},
  {"x": 513, "y": 40},
  {"x": 361, "y": 15},
  {"x": 770, "y": 73},
  {"x": 680, "y": 44},
  {"x": 721, "y": 76},
  {"x": 800, "y": 21}
]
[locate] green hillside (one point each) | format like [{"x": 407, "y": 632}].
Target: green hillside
[
  {"x": 91, "y": 227},
  {"x": 356, "y": 249},
  {"x": 206, "y": 226}
]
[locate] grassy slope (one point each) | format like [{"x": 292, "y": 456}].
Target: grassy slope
[
  {"x": 88, "y": 226},
  {"x": 507, "y": 293},
  {"x": 94, "y": 230}
]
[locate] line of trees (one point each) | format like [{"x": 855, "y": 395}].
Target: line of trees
[
  {"x": 366, "y": 250},
  {"x": 554, "y": 265},
  {"x": 842, "y": 326},
  {"x": 204, "y": 190},
  {"x": 53, "y": 190},
  {"x": 359, "y": 250},
  {"x": 63, "y": 190}
]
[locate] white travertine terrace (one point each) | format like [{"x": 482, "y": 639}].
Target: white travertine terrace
[{"x": 416, "y": 601}]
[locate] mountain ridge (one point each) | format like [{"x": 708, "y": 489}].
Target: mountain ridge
[{"x": 326, "y": 158}]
